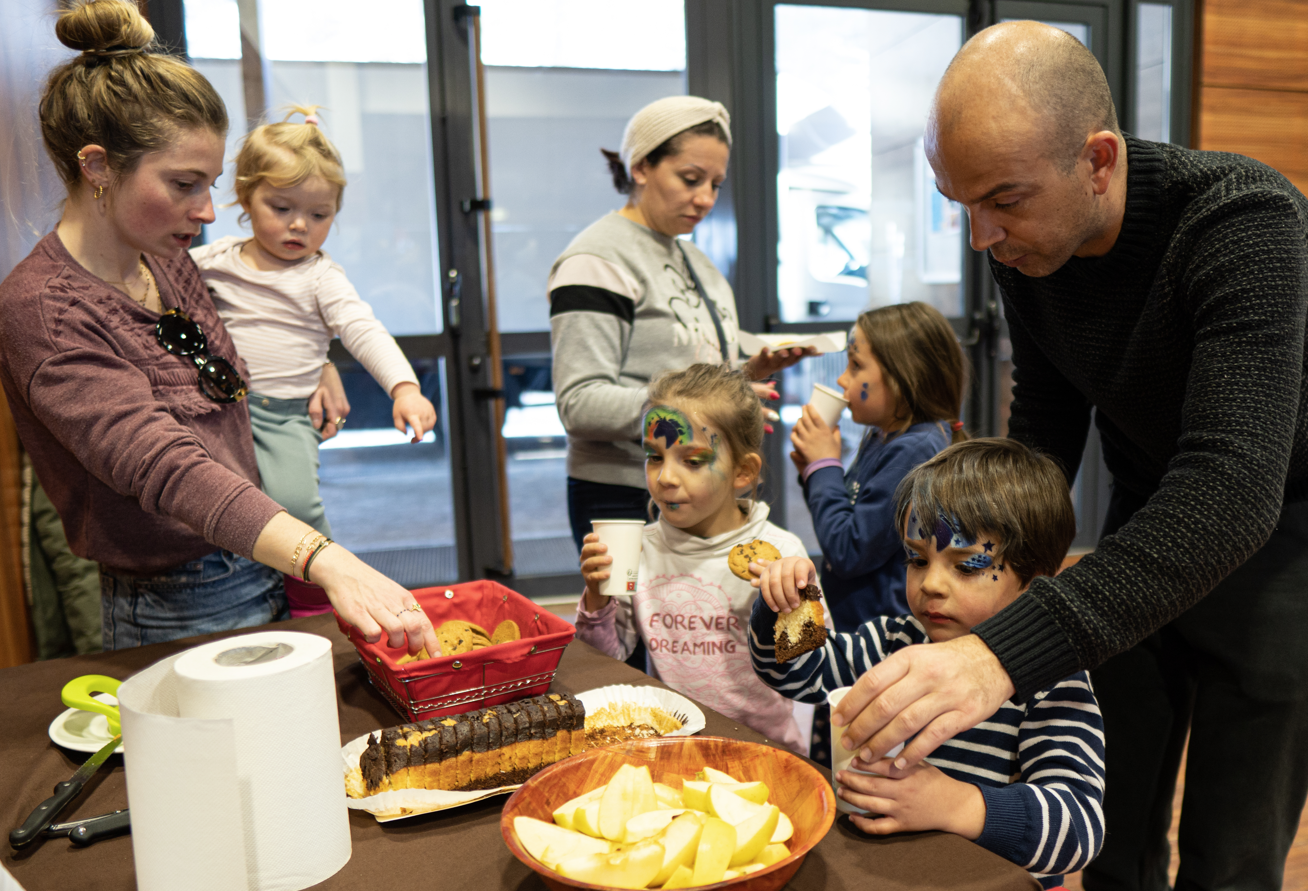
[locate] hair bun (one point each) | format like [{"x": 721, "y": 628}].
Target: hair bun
[{"x": 95, "y": 26}]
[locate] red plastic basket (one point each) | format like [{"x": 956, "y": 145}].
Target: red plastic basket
[{"x": 450, "y": 685}]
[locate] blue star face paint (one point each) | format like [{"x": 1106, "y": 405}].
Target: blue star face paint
[
  {"x": 948, "y": 536},
  {"x": 978, "y": 561},
  {"x": 915, "y": 529}
]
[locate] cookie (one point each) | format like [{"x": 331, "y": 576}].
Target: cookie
[
  {"x": 506, "y": 631},
  {"x": 749, "y": 552},
  {"x": 456, "y": 637}
]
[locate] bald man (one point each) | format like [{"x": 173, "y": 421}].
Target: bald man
[{"x": 1163, "y": 292}]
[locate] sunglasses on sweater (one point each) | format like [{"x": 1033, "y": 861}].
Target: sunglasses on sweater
[{"x": 181, "y": 336}]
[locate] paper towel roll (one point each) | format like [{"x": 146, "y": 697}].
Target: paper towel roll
[{"x": 232, "y": 755}]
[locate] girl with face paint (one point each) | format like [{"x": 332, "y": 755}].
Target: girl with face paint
[{"x": 702, "y": 436}]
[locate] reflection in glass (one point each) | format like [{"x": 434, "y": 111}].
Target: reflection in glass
[
  {"x": 1153, "y": 72},
  {"x": 861, "y": 222}
]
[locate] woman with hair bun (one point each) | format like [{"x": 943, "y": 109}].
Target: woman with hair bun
[
  {"x": 630, "y": 300},
  {"x": 124, "y": 385}
]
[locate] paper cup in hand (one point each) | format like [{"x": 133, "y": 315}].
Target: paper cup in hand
[
  {"x": 623, "y": 538},
  {"x": 841, "y": 756},
  {"x": 828, "y": 404}
]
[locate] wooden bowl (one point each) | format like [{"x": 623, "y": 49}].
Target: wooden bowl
[{"x": 802, "y": 793}]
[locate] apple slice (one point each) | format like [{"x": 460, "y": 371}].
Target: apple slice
[
  {"x": 632, "y": 868},
  {"x": 681, "y": 877},
  {"x": 708, "y": 774},
  {"x": 649, "y": 824},
  {"x": 785, "y": 829},
  {"x": 565, "y": 814},
  {"x": 537, "y": 836},
  {"x": 730, "y": 807},
  {"x": 695, "y": 794},
  {"x": 773, "y": 853},
  {"x": 643, "y": 797},
  {"x": 587, "y": 819},
  {"x": 756, "y": 792},
  {"x": 748, "y": 868},
  {"x": 615, "y": 804},
  {"x": 566, "y": 849},
  {"x": 754, "y": 834},
  {"x": 680, "y": 842},
  {"x": 716, "y": 845},
  {"x": 667, "y": 796}
]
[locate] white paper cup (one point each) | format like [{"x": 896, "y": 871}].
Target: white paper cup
[
  {"x": 841, "y": 756},
  {"x": 623, "y": 538},
  {"x": 828, "y": 403}
]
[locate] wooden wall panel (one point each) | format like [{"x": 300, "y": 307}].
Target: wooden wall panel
[
  {"x": 1271, "y": 126},
  {"x": 1256, "y": 44}
]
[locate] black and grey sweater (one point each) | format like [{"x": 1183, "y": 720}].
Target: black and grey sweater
[{"x": 1187, "y": 340}]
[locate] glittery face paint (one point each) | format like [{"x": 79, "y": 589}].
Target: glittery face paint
[
  {"x": 978, "y": 561},
  {"x": 948, "y": 535},
  {"x": 666, "y": 423}
]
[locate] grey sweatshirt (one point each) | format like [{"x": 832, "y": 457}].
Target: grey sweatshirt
[{"x": 623, "y": 308}]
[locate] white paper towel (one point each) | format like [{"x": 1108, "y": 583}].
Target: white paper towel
[{"x": 233, "y": 769}]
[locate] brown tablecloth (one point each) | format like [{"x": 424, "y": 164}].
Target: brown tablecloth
[{"x": 454, "y": 849}]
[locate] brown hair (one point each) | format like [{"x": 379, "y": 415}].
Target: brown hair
[
  {"x": 670, "y": 146},
  {"x": 118, "y": 93},
  {"x": 921, "y": 362},
  {"x": 728, "y": 400},
  {"x": 285, "y": 155},
  {"x": 997, "y": 487}
]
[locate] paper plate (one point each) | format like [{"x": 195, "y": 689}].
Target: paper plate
[
  {"x": 692, "y": 719},
  {"x": 828, "y": 342}
]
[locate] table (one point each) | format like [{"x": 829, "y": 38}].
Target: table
[{"x": 455, "y": 849}]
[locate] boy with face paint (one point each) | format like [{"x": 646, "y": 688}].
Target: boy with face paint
[{"x": 979, "y": 521}]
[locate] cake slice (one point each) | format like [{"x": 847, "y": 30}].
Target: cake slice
[{"x": 802, "y": 629}]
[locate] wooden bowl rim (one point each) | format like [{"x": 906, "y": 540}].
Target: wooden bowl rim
[{"x": 824, "y": 791}]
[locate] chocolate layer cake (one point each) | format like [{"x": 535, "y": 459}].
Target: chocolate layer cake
[
  {"x": 483, "y": 749},
  {"x": 802, "y": 629}
]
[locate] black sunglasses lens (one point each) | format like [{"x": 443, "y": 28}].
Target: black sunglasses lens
[
  {"x": 179, "y": 335},
  {"x": 220, "y": 381}
]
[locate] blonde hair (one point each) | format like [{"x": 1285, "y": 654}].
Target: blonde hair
[
  {"x": 726, "y": 398},
  {"x": 921, "y": 362},
  {"x": 286, "y": 154},
  {"x": 118, "y": 93},
  {"x": 996, "y": 487}
]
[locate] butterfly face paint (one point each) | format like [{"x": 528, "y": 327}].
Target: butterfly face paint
[{"x": 669, "y": 425}]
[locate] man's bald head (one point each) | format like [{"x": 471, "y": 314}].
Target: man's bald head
[{"x": 1031, "y": 70}]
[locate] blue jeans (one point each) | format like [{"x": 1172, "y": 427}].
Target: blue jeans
[{"x": 218, "y": 592}]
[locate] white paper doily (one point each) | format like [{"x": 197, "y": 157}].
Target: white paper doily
[{"x": 672, "y": 703}]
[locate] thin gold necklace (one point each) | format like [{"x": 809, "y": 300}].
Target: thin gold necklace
[{"x": 148, "y": 278}]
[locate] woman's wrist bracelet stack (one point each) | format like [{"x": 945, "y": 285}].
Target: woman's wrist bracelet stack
[
  {"x": 311, "y": 544},
  {"x": 320, "y": 547},
  {"x": 299, "y": 549}
]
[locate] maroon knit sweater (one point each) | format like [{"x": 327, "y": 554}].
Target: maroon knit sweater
[{"x": 145, "y": 472}]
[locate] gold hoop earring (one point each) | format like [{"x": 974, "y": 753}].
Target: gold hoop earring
[{"x": 99, "y": 190}]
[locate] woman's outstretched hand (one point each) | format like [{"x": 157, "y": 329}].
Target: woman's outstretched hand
[
  {"x": 767, "y": 362},
  {"x": 328, "y": 407}
]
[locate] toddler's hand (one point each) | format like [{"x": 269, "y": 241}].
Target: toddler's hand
[
  {"x": 813, "y": 439},
  {"x": 915, "y": 799},
  {"x": 412, "y": 409},
  {"x": 780, "y": 581},
  {"x": 594, "y": 569}
]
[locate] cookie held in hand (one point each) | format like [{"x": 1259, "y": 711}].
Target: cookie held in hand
[
  {"x": 801, "y": 629},
  {"x": 750, "y": 552}
]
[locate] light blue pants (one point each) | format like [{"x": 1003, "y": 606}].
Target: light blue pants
[{"x": 286, "y": 447}]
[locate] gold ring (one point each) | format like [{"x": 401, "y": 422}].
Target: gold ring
[
  {"x": 339, "y": 422},
  {"x": 413, "y": 608}
]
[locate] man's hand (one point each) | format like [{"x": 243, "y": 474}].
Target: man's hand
[
  {"x": 918, "y": 798},
  {"x": 935, "y": 691},
  {"x": 328, "y": 405}
]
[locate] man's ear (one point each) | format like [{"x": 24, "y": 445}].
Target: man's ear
[
  {"x": 1102, "y": 150},
  {"x": 747, "y": 471}
]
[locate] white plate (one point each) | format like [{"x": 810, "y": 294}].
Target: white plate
[
  {"x": 672, "y": 703},
  {"x": 83, "y": 731},
  {"x": 828, "y": 342}
]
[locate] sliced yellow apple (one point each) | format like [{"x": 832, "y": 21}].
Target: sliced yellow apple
[
  {"x": 710, "y": 775},
  {"x": 680, "y": 842},
  {"x": 785, "y": 829},
  {"x": 682, "y": 877},
  {"x": 565, "y": 814},
  {"x": 537, "y": 835},
  {"x": 730, "y": 807},
  {"x": 753, "y": 834},
  {"x": 748, "y": 868},
  {"x": 632, "y": 868},
  {"x": 773, "y": 853},
  {"x": 694, "y": 794},
  {"x": 716, "y": 845},
  {"x": 565, "y": 849},
  {"x": 756, "y": 792},
  {"x": 615, "y": 804},
  {"x": 649, "y": 824},
  {"x": 643, "y": 799},
  {"x": 587, "y": 819},
  {"x": 667, "y": 796}
]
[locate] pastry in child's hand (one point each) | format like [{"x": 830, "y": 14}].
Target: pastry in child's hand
[
  {"x": 750, "y": 552},
  {"x": 801, "y": 629}
]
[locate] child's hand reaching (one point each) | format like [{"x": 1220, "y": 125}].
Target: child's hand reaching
[
  {"x": 813, "y": 439},
  {"x": 780, "y": 581},
  {"x": 412, "y": 409},
  {"x": 917, "y": 798},
  {"x": 594, "y": 569}
]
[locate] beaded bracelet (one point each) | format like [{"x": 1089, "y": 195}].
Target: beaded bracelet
[
  {"x": 314, "y": 543},
  {"x": 295, "y": 557},
  {"x": 316, "y": 551}
]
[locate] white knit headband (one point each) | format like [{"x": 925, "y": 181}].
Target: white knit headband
[{"x": 662, "y": 119}]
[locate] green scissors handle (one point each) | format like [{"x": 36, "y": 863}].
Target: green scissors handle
[{"x": 79, "y": 693}]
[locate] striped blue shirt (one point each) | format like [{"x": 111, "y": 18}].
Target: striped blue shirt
[{"x": 1039, "y": 766}]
